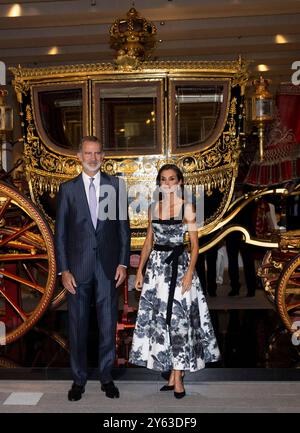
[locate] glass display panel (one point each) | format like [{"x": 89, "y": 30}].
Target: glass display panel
[
  {"x": 198, "y": 109},
  {"x": 128, "y": 118},
  {"x": 62, "y": 116}
]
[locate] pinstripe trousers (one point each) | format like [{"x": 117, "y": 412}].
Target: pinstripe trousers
[{"x": 106, "y": 309}]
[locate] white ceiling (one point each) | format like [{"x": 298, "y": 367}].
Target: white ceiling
[{"x": 193, "y": 29}]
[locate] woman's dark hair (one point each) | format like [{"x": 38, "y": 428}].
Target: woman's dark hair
[
  {"x": 157, "y": 195},
  {"x": 170, "y": 167}
]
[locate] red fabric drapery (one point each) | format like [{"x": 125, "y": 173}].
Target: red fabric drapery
[{"x": 282, "y": 150}]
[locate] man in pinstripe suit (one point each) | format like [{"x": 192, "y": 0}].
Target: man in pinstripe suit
[{"x": 92, "y": 250}]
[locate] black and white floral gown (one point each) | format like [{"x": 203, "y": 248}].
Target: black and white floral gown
[{"x": 189, "y": 342}]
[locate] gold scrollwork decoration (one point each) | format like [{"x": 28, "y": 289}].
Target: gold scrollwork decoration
[
  {"x": 241, "y": 77},
  {"x": 187, "y": 164},
  {"x": 20, "y": 85},
  {"x": 110, "y": 166},
  {"x": 128, "y": 166},
  {"x": 236, "y": 69}
]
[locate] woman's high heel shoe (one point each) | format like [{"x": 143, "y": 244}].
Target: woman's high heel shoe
[
  {"x": 167, "y": 388},
  {"x": 182, "y": 393},
  {"x": 179, "y": 394}
]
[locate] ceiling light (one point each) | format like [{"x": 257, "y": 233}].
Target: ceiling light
[
  {"x": 280, "y": 39},
  {"x": 15, "y": 10},
  {"x": 53, "y": 51},
  {"x": 263, "y": 68}
]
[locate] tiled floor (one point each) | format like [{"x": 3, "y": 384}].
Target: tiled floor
[{"x": 138, "y": 396}]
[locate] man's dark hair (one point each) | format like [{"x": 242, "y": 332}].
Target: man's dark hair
[{"x": 92, "y": 138}]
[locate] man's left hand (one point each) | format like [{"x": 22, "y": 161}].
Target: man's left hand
[{"x": 120, "y": 276}]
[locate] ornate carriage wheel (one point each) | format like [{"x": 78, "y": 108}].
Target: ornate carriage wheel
[
  {"x": 288, "y": 294},
  {"x": 279, "y": 351},
  {"x": 267, "y": 273},
  {"x": 27, "y": 264},
  {"x": 59, "y": 296},
  {"x": 270, "y": 270}
]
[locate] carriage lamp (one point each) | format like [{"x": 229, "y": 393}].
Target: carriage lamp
[
  {"x": 6, "y": 114},
  {"x": 6, "y": 120},
  {"x": 262, "y": 110}
]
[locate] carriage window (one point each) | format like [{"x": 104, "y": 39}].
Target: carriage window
[
  {"x": 128, "y": 118},
  {"x": 197, "y": 110},
  {"x": 61, "y": 116}
]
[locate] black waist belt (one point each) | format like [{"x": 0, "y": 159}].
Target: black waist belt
[{"x": 177, "y": 250}]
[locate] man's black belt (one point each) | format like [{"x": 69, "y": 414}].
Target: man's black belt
[{"x": 173, "y": 258}]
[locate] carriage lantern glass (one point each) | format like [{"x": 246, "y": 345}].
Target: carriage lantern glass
[
  {"x": 6, "y": 114},
  {"x": 262, "y": 110}
]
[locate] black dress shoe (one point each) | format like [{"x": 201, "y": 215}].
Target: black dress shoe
[
  {"x": 167, "y": 388},
  {"x": 233, "y": 293},
  {"x": 111, "y": 391},
  {"x": 75, "y": 392},
  {"x": 250, "y": 295}
]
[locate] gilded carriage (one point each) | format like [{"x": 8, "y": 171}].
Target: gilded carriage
[{"x": 146, "y": 113}]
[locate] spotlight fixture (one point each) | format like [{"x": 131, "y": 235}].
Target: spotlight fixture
[
  {"x": 14, "y": 11},
  {"x": 281, "y": 39},
  {"x": 53, "y": 51},
  {"x": 262, "y": 68}
]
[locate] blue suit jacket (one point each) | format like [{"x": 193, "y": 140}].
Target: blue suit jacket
[{"x": 79, "y": 247}]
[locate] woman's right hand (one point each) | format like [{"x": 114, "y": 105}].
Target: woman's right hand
[{"x": 138, "y": 284}]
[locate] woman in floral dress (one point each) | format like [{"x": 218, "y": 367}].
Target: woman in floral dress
[{"x": 173, "y": 329}]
